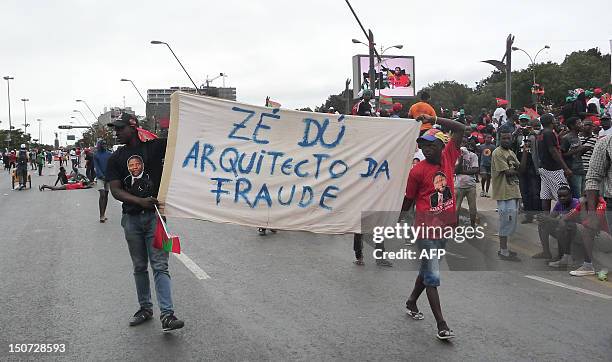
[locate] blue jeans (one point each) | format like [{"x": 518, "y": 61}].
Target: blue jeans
[
  {"x": 139, "y": 230},
  {"x": 575, "y": 183},
  {"x": 430, "y": 268}
]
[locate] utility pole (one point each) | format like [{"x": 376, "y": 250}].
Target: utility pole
[
  {"x": 8, "y": 92},
  {"x": 509, "y": 42},
  {"x": 372, "y": 47},
  {"x": 348, "y": 96}
]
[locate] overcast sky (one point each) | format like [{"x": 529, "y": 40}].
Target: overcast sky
[{"x": 296, "y": 52}]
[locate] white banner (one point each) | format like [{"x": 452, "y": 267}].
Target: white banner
[{"x": 235, "y": 163}]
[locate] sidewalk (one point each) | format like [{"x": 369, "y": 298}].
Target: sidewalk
[{"x": 526, "y": 240}]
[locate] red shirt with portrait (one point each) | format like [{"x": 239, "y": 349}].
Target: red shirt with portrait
[{"x": 432, "y": 188}]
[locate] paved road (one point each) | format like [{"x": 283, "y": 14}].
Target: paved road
[{"x": 289, "y": 296}]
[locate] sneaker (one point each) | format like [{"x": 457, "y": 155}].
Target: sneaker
[
  {"x": 563, "y": 262},
  {"x": 261, "y": 231},
  {"x": 143, "y": 315},
  {"x": 482, "y": 193},
  {"x": 383, "y": 262},
  {"x": 511, "y": 256},
  {"x": 583, "y": 271},
  {"x": 169, "y": 322}
]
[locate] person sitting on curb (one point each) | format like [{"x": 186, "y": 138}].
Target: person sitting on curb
[{"x": 556, "y": 225}]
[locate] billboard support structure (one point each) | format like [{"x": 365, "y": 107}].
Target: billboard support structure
[{"x": 372, "y": 82}]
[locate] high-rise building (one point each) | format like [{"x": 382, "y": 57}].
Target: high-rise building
[
  {"x": 111, "y": 114},
  {"x": 158, "y": 101}
]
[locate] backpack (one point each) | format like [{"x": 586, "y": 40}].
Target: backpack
[{"x": 22, "y": 157}]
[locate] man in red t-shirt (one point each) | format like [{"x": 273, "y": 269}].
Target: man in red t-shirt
[{"x": 430, "y": 188}]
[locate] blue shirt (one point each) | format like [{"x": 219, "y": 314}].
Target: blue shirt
[
  {"x": 100, "y": 162},
  {"x": 563, "y": 210}
]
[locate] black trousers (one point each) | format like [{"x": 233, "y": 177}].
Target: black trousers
[
  {"x": 529, "y": 183},
  {"x": 358, "y": 246}
]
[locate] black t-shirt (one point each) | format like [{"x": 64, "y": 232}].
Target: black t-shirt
[
  {"x": 546, "y": 139},
  {"x": 139, "y": 169},
  {"x": 364, "y": 109}
]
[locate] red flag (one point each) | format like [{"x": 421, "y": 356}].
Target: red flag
[
  {"x": 145, "y": 135},
  {"x": 531, "y": 113},
  {"x": 162, "y": 239}
]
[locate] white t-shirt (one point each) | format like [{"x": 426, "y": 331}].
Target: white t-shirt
[
  {"x": 605, "y": 132},
  {"x": 470, "y": 160},
  {"x": 500, "y": 116},
  {"x": 419, "y": 155},
  {"x": 595, "y": 101}
]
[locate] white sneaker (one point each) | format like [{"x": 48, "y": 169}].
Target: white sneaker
[
  {"x": 564, "y": 261},
  {"x": 583, "y": 270}
]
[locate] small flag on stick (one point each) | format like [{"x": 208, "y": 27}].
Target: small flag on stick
[{"x": 162, "y": 239}]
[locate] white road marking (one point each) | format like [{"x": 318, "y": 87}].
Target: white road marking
[
  {"x": 193, "y": 267},
  {"x": 563, "y": 285},
  {"x": 456, "y": 255}
]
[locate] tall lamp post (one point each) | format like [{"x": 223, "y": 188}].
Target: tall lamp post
[
  {"x": 533, "y": 60},
  {"x": 533, "y": 68},
  {"x": 39, "y": 132},
  {"x": 87, "y": 105},
  {"x": 25, "y": 116},
  {"x": 8, "y": 85},
  {"x": 84, "y": 118},
  {"x": 134, "y": 85},
  {"x": 177, "y": 59}
]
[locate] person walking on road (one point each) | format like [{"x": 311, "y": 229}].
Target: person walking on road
[
  {"x": 100, "y": 161},
  {"x": 74, "y": 159},
  {"x": 134, "y": 173},
  {"x": 505, "y": 182},
  {"x": 430, "y": 188},
  {"x": 40, "y": 161},
  {"x": 21, "y": 169}
]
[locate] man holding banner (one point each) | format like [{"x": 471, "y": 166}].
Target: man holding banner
[{"x": 134, "y": 172}]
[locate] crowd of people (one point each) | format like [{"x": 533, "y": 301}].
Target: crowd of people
[{"x": 524, "y": 161}]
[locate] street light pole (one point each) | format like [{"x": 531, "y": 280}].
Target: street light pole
[
  {"x": 39, "y": 132},
  {"x": 533, "y": 70},
  {"x": 87, "y": 105},
  {"x": 8, "y": 86},
  {"x": 373, "y": 81},
  {"x": 134, "y": 85},
  {"x": 25, "y": 116},
  {"x": 181, "y": 64}
]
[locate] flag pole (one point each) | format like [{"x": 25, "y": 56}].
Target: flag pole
[{"x": 162, "y": 220}]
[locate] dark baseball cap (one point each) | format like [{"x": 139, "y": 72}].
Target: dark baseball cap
[{"x": 124, "y": 120}]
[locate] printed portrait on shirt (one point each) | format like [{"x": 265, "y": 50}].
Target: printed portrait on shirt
[
  {"x": 138, "y": 182},
  {"x": 442, "y": 197}
]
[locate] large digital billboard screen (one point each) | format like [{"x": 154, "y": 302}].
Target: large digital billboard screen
[{"x": 395, "y": 75}]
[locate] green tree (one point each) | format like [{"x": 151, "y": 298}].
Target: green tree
[
  {"x": 17, "y": 138},
  {"x": 338, "y": 101},
  {"x": 448, "y": 94}
]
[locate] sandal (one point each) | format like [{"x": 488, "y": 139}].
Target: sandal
[
  {"x": 445, "y": 334},
  {"x": 416, "y": 315}
]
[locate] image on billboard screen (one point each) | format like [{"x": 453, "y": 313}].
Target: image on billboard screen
[{"x": 394, "y": 74}]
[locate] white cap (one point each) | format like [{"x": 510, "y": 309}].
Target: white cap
[{"x": 23, "y": 145}]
